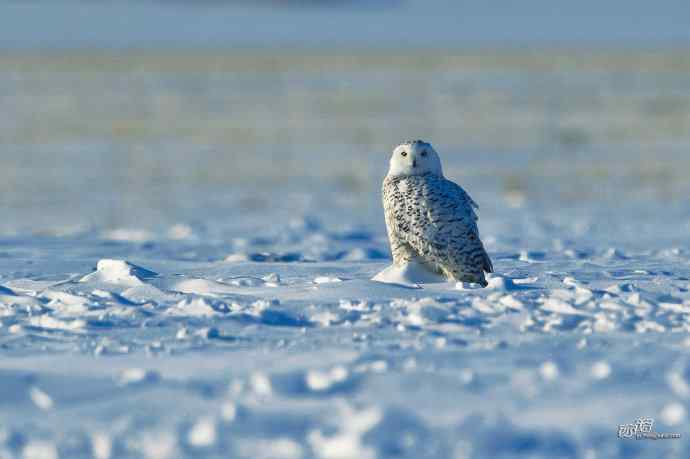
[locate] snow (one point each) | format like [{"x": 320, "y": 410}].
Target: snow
[
  {"x": 601, "y": 370},
  {"x": 119, "y": 272},
  {"x": 673, "y": 414},
  {"x": 220, "y": 293},
  {"x": 317, "y": 358},
  {"x": 41, "y": 399},
  {"x": 409, "y": 274},
  {"x": 203, "y": 433}
]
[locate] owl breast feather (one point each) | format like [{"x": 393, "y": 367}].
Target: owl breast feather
[{"x": 435, "y": 218}]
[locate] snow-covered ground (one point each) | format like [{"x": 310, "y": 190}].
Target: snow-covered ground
[{"x": 162, "y": 297}]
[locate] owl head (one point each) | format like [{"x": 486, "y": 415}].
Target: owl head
[{"x": 414, "y": 157}]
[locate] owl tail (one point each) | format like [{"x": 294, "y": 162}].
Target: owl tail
[{"x": 488, "y": 266}]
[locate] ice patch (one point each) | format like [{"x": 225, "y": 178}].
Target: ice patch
[{"x": 119, "y": 272}]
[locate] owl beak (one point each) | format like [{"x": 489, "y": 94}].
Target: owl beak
[{"x": 414, "y": 163}]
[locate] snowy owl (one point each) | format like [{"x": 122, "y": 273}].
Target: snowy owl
[{"x": 431, "y": 220}]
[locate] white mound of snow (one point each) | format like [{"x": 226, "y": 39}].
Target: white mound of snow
[
  {"x": 244, "y": 281},
  {"x": 66, "y": 303},
  {"x": 131, "y": 376},
  {"x": 525, "y": 280},
  {"x": 11, "y": 304},
  {"x": 119, "y": 272},
  {"x": 408, "y": 274},
  {"x": 498, "y": 282},
  {"x": 51, "y": 323},
  {"x": 324, "y": 380},
  {"x": 31, "y": 286},
  {"x": 559, "y": 306},
  {"x": 261, "y": 385},
  {"x": 673, "y": 414},
  {"x": 128, "y": 235},
  {"x": 420, "y": 312},
  {"x": 601, "y": 370},
  {"x": 511, "y": 302},
  {"x": 41, "y": 399},
  {"x": 549, "y": 371},
  {"x": 348, "y": 441},
  {"x": 194, "y": 307},
  {"x": 326, "y": 280},
  {"x": 203, "y": 287},
  {"x": 203, "y": 433},
  {"x": 180, "y": 231},
  {"x": 236, "y": 258},
  {"x": 39, "y": 449}
]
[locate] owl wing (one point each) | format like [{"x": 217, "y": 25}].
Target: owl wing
[{"x": 437, "y": 218}]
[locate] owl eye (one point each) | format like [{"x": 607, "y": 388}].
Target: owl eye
[
  {"x": 403, "y": 153},
  {"x": 424, "y": 153}
]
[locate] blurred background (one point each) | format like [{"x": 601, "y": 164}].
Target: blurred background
[{"x": 143, "y": 114}]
